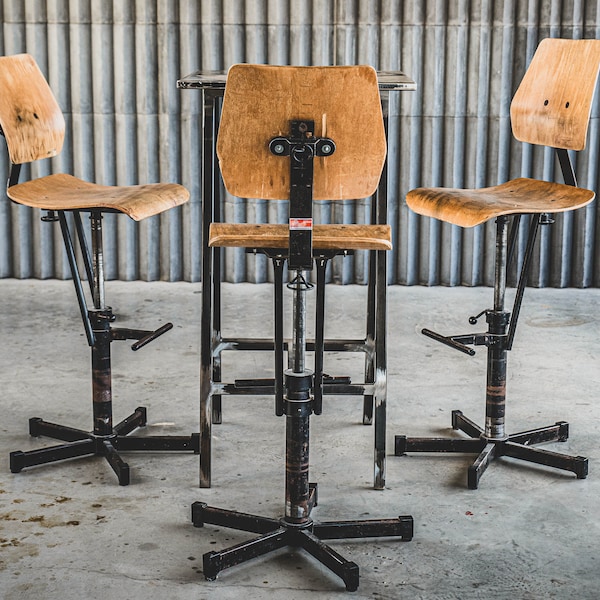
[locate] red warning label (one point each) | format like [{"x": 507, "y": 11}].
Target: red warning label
[{"x": 301, "y": 224}]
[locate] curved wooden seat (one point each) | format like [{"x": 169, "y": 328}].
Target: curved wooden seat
[
  {"x": 325, "y": 237},
  {"x": 551, "y": 107},
  {"x": 470, "y": 207},
  {"x": 65, "y": 192}
]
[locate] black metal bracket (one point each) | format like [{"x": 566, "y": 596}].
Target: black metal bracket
[
  {"x": 462, "y": 342},
  {"x": 49, "y": 217},
  {"x": 13, "y": 174},
  {"x": 301, "y": 146}
]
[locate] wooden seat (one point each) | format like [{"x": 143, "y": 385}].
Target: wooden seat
[
  {"x": 65, "y": 192},
  {"x": 325, "y": 237},
  {"x": 469, "y": 208},
  {"x": 551, "y": 108},
  {"x": 34, "y": 128}
]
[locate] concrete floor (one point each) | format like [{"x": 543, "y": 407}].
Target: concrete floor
[{"x": 69, "y": 530}]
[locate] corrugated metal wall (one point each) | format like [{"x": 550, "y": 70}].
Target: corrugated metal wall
[{"x": 114, "y": 65}]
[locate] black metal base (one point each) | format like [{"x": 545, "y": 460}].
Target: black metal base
[
  {"x": 517, "y": 445},
  {"x": 275, "y": 534},
  {"x": 82, "y": 443}
]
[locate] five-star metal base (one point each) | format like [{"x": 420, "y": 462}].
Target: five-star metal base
[
  {"x": 81, "y": 443},
  {"x": 275, "y": 534},
  {"x": 517, "y": 445}
]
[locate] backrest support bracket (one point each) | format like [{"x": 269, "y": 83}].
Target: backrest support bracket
[{"x": 301, "y": 146}]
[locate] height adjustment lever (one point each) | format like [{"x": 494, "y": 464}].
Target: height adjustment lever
[
  {"x": 452, "y": 341},
  {"x": 142, "y": 335}
]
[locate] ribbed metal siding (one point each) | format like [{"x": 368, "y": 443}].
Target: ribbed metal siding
[{"x": 114, "y": 64}]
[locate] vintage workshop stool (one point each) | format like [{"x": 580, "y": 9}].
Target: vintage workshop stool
[
  {"x": 280, "y": 127},
  {"x": 330, "y": 240},
  {"x": 550, "y": 108},
  {"x": 33, "y": 126}
]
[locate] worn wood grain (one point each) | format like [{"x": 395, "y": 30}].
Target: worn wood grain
[
  {"x": 325, "y": 237},
  {"x": 65, "y": 192},
  {"x": 552, "y": 105},
  {"x": 260, "y": 101},
  {"x": 470, "y": 207},
  {"x": 34, "y": 127},
  {"x": 30, "y": 117}
]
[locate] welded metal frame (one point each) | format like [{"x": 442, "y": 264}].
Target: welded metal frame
[
  {"x": 492, "y": 442},
  {"x": 105, "y": 439}
]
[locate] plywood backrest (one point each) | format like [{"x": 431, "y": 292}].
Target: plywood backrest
[
  {"x": 261, "y": 100},
  {"x": 552, "y": 105},
  {"x": 31, "y": 120}
]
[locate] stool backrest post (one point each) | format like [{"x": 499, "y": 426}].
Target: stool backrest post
[{"x": 552, "y": 105}]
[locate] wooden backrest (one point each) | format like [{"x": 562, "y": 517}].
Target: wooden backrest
[
  {"x": 552, "y": 104},
  {"x": 31, "y": 120},
  {"x": 260, "y": 101}
]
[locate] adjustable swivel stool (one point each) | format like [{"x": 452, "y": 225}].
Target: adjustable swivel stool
[
  {"x": 301, "y": 101},
  {"x": 34, "y": 127},
  {"x": 550, "y": 108}
]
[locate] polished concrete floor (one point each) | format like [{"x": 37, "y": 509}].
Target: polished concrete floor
[{"x": 68, "y": 530}]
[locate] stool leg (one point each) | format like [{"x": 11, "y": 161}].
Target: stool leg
[
  {"x": 120, "y": 467},
  {"x": 380, "y": 398},
  {"x": 495, "y": 399},
  {"x": 137, "y": 419},
  {"x": 20, "y": 460},
  {"x": 478, "y": 468},
  {"x": 215, "y": 562},
  {"x": 278, "y": 264},
  {"x": 319, "y": 336},
  {"x": 463, "y": 423},
  {"x": 38, "y": 427},
  {"x": 371, "y": 325},
  {"x": 348, "y": 571},
  {"x": 216, "y": 336}
]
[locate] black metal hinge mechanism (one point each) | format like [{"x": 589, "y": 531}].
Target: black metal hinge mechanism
[{"x": 301, "y": 146}]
